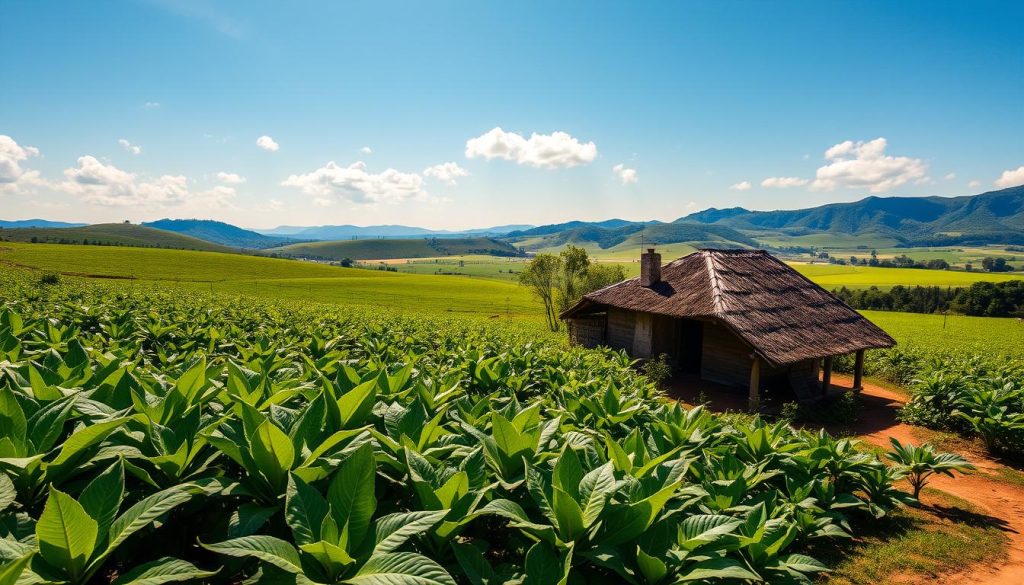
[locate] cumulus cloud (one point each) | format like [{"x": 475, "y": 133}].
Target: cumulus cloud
[
  {"x": 104, "y": 184},
  {"x": 626, "y": 175},
  {"x": 267, "y": 143},
  {"x": 356, "y": 184},
  {"x": 1011, "y": 178},
  {"x": 366, "y": 150},
  {"x": 132, "y": 148},
  {"x": 550, "y": 151},
  {"x": 783, "y": 182},
  {"x": 974, "y": 183},
  {"x": 741, "y": 186},
  {"x": 864, "y": 165},
  {"x": 11, "y": 156},
  {"x": 950, "y": 176},
  {"x": 230, "y": 178},
  {"x": 446, "y": 172}
]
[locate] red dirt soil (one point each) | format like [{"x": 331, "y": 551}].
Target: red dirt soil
[{"x": 1002, "y": 501}]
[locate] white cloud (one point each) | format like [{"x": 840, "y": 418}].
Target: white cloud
[
  {"x": 950, "y": 176},
  {"x": 366, "y": 150},
  {"x": 354, "y": 183},
  {"x": 103, "y": 184},
  {"x": 741, "y": 186},
  {"x": 1011, "y": 178},
  {"x": 864, "y": 165},
  {"x": 550, "y": 151},
  {"x": 151, "y": 105},
  {"x": 132, "y": 148},
  {"x": 230, "y": 178},
  {"x": 11, "y": 155},
  {"x": 267, "y": 143},
  {"x": 783, "y": 182},
  {"x": 322, "y": 202},
  {"x": 446, "y": 172},
  {"x": 626, "y": 175},
  {"x": 974, "y": 183}
]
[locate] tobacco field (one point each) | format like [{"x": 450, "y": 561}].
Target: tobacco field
[{"x": 151, "y": 437}]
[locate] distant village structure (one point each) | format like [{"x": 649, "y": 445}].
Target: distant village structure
[{"x": 733, "y": 317}]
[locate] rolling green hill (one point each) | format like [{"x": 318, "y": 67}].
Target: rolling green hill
[
  {"x": 219, "y": 232},
  {"x": 996, "y": 217},
  {"x": 630, "y": 235},
  {"x": 111, "y": 234},
  {"x": 383, "y": 249}
]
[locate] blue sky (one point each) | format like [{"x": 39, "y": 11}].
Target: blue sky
[{"x": 147, "y": 109}]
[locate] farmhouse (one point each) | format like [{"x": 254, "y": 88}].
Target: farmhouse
[{"x": 733, "y": 317}]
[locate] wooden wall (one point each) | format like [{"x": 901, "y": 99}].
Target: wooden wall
[
  {"x": 726, "y": 359},
  {"x": 587, "y": 331},
  {"x": 620, "y": 329}
]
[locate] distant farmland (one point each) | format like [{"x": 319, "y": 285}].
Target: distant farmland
[
  {"x": 111, "y": 234},
  {"x": 385, "y": 249}
]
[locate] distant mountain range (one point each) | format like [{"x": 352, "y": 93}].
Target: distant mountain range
[
  {"x": 221, "y": 233},
  {"x": 343, "y": 232},
  {"x": 996, "y": 217},
  {"x": 37, "y": 223}
]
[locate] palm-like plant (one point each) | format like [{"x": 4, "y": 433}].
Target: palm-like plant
[{"x": 919, "y": 463}]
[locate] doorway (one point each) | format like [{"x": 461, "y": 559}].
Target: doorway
[{"x": 691, "y": 346}]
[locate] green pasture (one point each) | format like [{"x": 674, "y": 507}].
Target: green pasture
[
  {"x": 378, "y": 249},
  {"x": 278, "y": 278},
  {"x": 834, "y": 276},
  {"x": 953, "y": 333}
]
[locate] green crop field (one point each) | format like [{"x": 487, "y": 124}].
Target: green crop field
[
  {"x": 833, "y": 276},
  {"x": 952, "y": 334},
  {"x": 381, "y": 249},
  {"x": 272, "y": 277}
]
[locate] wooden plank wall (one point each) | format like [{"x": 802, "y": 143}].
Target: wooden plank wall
[
  {"x": 620, "y": 329},
  {"x": 726, "y": 359},
  {"x": 587, "y": 331}
]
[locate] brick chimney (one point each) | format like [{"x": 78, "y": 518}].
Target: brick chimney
[{"x": 650, "y": 268}]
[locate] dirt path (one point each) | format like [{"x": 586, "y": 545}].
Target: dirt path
[{"x": 1002, "y": 501}]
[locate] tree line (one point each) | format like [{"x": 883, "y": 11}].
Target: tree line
[
  {"x": 984, "y": 299},
  {"x": 561, "y": 280}
]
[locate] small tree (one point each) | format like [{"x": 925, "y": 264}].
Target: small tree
[
  {"x": 541, "y": 276},
  {"x": 918, "y": 464}
]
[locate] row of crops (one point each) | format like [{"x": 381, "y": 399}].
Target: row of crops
[
  {"x": 161, "y": 438},
  {"x": 973, "y": 395}
]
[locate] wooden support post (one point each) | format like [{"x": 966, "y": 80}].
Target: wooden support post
[
  {"x": 826, "y": 377},
  {"x": 754, "y": 398},
  {"x": 858, "y": 371}
]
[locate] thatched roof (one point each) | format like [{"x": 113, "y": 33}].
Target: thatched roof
[{"x": 781, "y": 314}]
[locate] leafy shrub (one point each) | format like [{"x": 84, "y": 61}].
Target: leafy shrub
[
  {"x": 49, "y": 279},
  {"x": 918, "y": 464},
  {"x": 657, "y": 370}
]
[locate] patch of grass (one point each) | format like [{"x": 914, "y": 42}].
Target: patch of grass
[
  {"x": 1009, "y": 475},
  {"x": 952, "y": 335},
  {"x": 947, "y": 534}
]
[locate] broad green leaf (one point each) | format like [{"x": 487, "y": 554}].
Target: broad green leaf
[
  {"x": 545, "y": 566},
  {"x": 351, "y": 494},
  {"x": 568, "y": 514},
  {"x": 394, "y": 529},
  {"x": 145, "y": 511},
  {"x": 653, "y": 569},
  {"x": 718, "y": 569},
  {"x": 701, "y": 529},
  {"x": 357, "y": 403},
  {"x": 12, "y": 417},
  {"x": 305, "y": 510},
  {"x": 66, "y": 535},
  {"x": 273, "y": 452},
  {"x": 101, "y": 499},
  {"x": 10, "y": 572},
  {"x": 331, "y": 557},
  {"x": 8, "y": 493},
  {"x": 164, "y": 570},
  {"x": 84, "y": 438},
  {"x": 193, "y": 380},
  {"x": 268, "y": 549},
  {"x": 401, "y": 568},
  {"x": 802, "y": 563},
  {"x": 595, "y": 489},
  {"x": 473, "y": 564}
]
